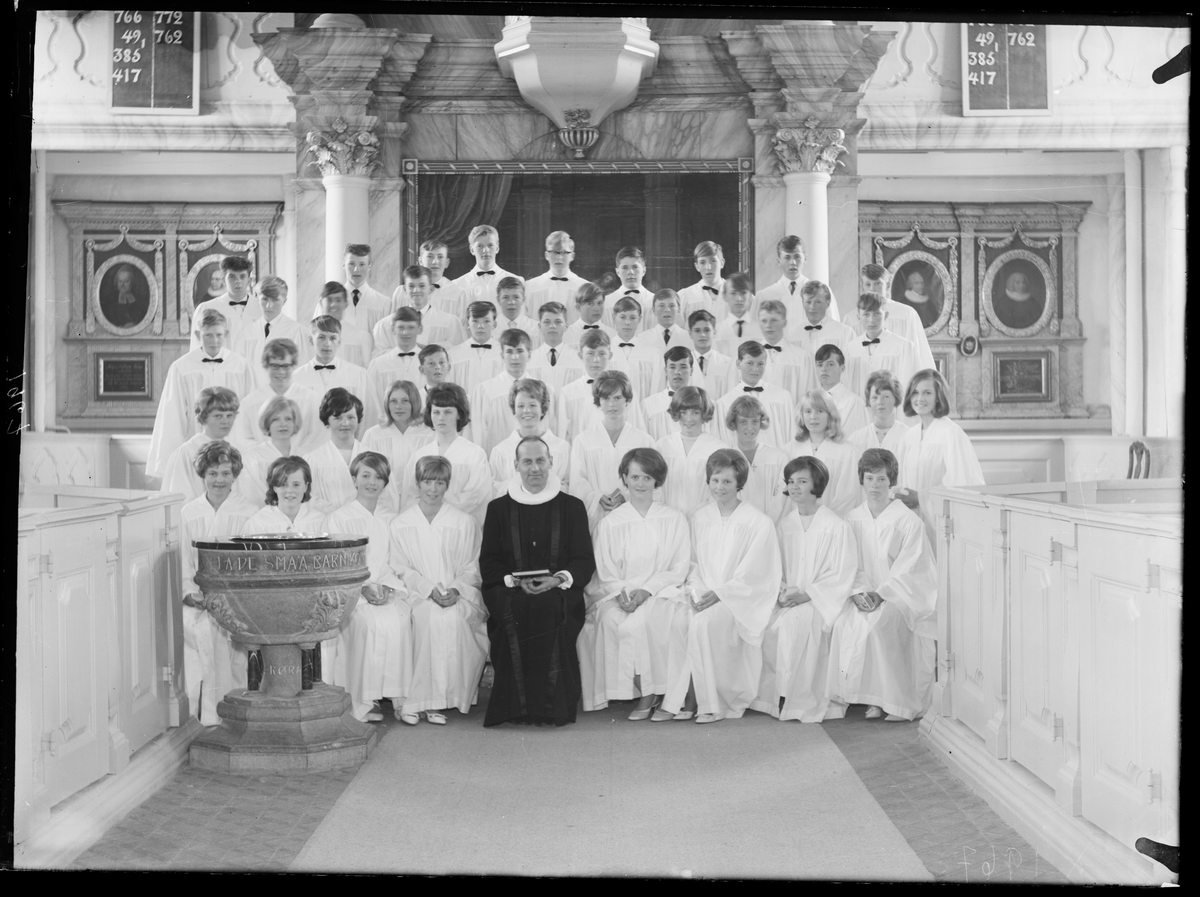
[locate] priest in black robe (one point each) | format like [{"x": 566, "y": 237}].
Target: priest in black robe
[{"x": 533, "y": 621}]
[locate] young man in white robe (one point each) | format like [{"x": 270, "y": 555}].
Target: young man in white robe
[
  {"x": 705, "y": 294},
  {"x": 210, "y": 365},
  {"x": 328, "y": 369},
  {"x": 510, "y": 299},
  {"x": 447, "y": 297},
  {"x": 589, "y": 308},
  {"x": 816, "y": 326},
  {"x": 492, "y": 418},
  {"x": 877, "y": 349},
  {"x": 372, "y": 656},
  {"x": 882, "y": 651},
  {"x": 898, "y": 318},
  {"x": 597, "y": 451},
  {"x": 403, "y": 360},
  {"x": 642, "y": 362},
  {"x": 740, "y": 322},
  {"x": 554, "y": 362},
  {"x": 479, "y": 284},
  {"x": 677, "y": 367},
  {"x": 213, "y": 663},
  {"x": 576, "y": 408},
  {"x": 560, "y": 283},
  {"x": 789, "y": 253},
  {"x": 777, "y": 402},
  {"x": 478, "y": 358},
  {"x": 216, "y": 411},
  {"x": 356, "y": 345},
  {"x": 831, "y": 367},
  {"x": 365, "y": 305},
  {"x": 271, "y": 324},
  {"x": 332, "y": 483},
  {"x": 530, "y": 402},
  {"x": 788, "y": 366},
  {"x": 234, "y": 305},
  {"x": 631, "y": 268},
  {"x": 436, "y": 326},
  {"x": 279, "y": 358},
  {"x": 666, "y": 332},
  {"x": 435, "y": 550},
  {"x": 820, "y": 560},
  {"x": 732, "y": 588},
  {"x": 714, "y": 371},
  {"x": 636, "y": 623}
]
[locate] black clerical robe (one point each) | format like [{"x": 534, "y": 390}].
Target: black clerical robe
[{"x": 533, "y": 636}]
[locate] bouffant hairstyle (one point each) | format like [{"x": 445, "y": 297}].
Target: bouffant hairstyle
[
  {"x": 820, "y": 400},
  {"x": 214, "y": 453},
  {"x": 377, "y": 462},
  {"x": 875, "y": 459},
  {"x": 214, "y": 398},
  {"x": 280, "y": 470},
  {"x": 942, "y": 406},
  {"x": 610, "y": 383},
  {"x": 691, "y": 398},
  {"x": 649, "y": 460},
  {"x": 337, "y": 402},
  {"x": 728, "y": 459},
  {"x": 535, "y": 389},
  {"x": 884, "y": 381},
  {"x": 816, "y": 469},
  {"x": 746, "y": 406},
  {"x": 281, "y": 348},
  {"x": 449, "y": 395},
  {"x": 433, "y": 467},
  {"x": 276, "y": 407}
]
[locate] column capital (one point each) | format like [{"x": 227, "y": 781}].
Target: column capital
[
  {"x": 808, "y": 147},
  {"x": 343, "y": 150}
]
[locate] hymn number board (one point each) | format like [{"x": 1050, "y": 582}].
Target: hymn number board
[
  {"x": 156, "y": 61},
  {"x": 1005, "y": 69}
]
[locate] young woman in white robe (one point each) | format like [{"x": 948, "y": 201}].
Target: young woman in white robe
[
  {"x": 279, "y": 360},
  {"x": 341, "y": 413},
  {"x": 634, "y": 637},
  {"x": 765, "y": 487},
  {"x": 213, "y": 663},
  {"x": 885, "y": 428},
  {"x": 936, "y": 451},
  {"x": 732, "y": 587},
  {"x": 216, "y": 412},
  {"x": 819, "y": 563},
  {"x": 882, "y": 652},
  {"x": 687, "y": 451},
  {"x": 288, "y": 509},
  {"x": 280, "y": 420},
  {"x": 435, "y": 550},
  {"x": 596, "y": 452},
  {"x": 447, "y": 412},
  {"x": 372, "y": 655},
  {"x": 530, "y": 401},
  {"x": 401, "y": 434},
  {"x": 819, "y": 434}
]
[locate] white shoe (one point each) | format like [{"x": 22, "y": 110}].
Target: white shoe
[
  {"x": 438, "y": 719},
  {"x": 874, "y": 712}
]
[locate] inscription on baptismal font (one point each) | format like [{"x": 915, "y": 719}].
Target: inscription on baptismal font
[{"x": 284, "y": 563}]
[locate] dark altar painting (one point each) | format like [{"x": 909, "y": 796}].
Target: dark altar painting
[
  {"x": 210, "y": 283},
  {"x": 1019, "y": 294},
  {"x": 918, "y": 285},
  {"x": 124, "y": 296},
  {"x": 1021, "y": 377}
]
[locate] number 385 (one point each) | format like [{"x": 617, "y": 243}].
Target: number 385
[{"x": 126, "y": 55}]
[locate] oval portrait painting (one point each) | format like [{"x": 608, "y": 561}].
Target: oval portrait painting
[
  {"x": 209, "y": 284},
  {"x": 124, "y": 296},
  {"x": 917, "y": 284},
  {"x": 1018, "y": 294}
]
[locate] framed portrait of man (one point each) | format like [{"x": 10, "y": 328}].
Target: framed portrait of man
[
  {"x": 1019, "y": 295},
  {"x": 124, "y": 294},
  {"x": 920, "y": 280},
  {"x": 210, "y": 280}
]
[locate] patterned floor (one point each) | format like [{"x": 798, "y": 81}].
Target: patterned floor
[{"x": 207, "y": 821}]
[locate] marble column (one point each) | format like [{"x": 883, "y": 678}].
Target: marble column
[
  {"x": 807, "y": 156},
  {"x": 347, "y": 217},
  {"x": 662, "y": 229},
  {"x": 1135, "y": 377}
]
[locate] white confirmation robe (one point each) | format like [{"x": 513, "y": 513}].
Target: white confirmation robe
[
  {"x": 470, "y": 477},
  {"x": 372, "y": 655},
  {"x": 451, "y": 643},
  {"x": 886, "y": 657},
  {"x": 843, "y": 492},
  {"x": 940, "y": 455},
  {"x": 821, "y": 562},
  {"x": 737, "y": 557},
  {"x": 635, "y": 552},
  {"x": 686, "y": 488},
  {"x": 595, "y": 460}
]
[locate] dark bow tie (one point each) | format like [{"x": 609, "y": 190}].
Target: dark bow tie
[
  {"x": 324, "y": 367},
  {"x": 405, "y": 354},
  {"x": 712, "y": 290},
  {"x": 590, "y": 382},
  {"x": 213, "y": 360},
  {"x": 481, "y": 345},
  {"x": 243, "y": 302},
  {"x": 772, "y": 348},
  {"x": 629, "y": 345},
  {"x": 812, "y": 326},
  {"x": 752, "y": 389},
  {"x": 563, "y": 279},
  {"x": 633, "y": 292},
  {"x": 670, "y": 393},
  {"x": 868, "y": 342},
  {"x": 437, "y": 286},
  {"x": 591, "y": 326},
  {"x": 481, "y": 273}
]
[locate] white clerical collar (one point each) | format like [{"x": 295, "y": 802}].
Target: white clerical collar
[{"x": 518, "y": 493}]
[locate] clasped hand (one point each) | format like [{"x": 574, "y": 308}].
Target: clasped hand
[
  {"x": 630, "y": 602},
  {"x": 612, "y": 501},
  {"x": 447, "y": 598},
  {"x": 537, "y": 584},
  {"x": 866, "y": 601},
  {"x": 790, "y": 596},
  {"x": 707, "y": 600}
]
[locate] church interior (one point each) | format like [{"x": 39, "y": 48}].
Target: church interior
[{"x": 1023, "y": 187}]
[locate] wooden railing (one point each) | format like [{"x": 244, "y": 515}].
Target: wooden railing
[
  {"x": 99, "y": 637},
  {"x": 1059, "y": 651}
]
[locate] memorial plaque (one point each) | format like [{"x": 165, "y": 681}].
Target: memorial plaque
[
  {"x": 1021, "y": 377},
  {"x": 1005, "y": 69},
  {"x": 156, "y": 61},
  {"x": 123, "y": 377}
]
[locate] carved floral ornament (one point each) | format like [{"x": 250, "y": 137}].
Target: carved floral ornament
[
  {"x": 810, "y": 148},
  {"x": 343, "y": 151}
]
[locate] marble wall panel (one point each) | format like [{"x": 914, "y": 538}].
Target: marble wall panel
[
  {"x": 433, "y": 137},
  {"x": 701, "y": 133},
  {"x": 505, "y": 137},
  {"x": 310, "y": 245},
  {"x": 769, "y": 207},
  {"x": 843, "y": 244},
  {"x": 386, "y": 253}
]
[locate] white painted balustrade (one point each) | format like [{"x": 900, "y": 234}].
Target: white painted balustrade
[{"x": 1059, "y": 662}]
